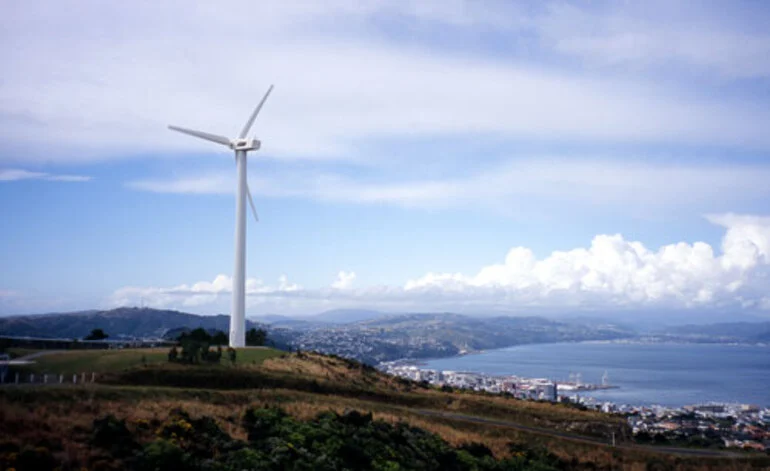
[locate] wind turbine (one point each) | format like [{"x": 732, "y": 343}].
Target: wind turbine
[{"x": 241, "y": 145}]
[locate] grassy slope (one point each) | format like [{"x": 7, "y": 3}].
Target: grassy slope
[
  {"x": 20, "y": 352},
  {"x": 307, "y": 384},
  {"x": 107, "y": 361}
]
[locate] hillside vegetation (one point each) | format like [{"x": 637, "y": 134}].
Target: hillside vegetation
[{"x": 316, "y": 395}]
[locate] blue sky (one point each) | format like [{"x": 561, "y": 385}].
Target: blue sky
[{"x": 436, "y": 155}]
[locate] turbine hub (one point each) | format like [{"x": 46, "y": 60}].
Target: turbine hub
[{"x": 245, "y": 144}]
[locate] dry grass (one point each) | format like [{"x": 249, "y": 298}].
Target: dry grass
[
  {"x": 64, "y": 415},
  {"x": 326, "y": 368}
]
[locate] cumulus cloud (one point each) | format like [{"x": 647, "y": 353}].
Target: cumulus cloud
[
  {"x": 198, "y": 294},
  {"x": 611, "y": 273},
  {"x": 12, "y": 175},
  {"x": 344, "y": 280}
]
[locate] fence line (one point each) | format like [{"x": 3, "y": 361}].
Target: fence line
[{"x": 48, "y": 378}]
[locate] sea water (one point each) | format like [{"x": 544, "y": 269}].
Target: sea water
[{"x": 665, "y": 374}]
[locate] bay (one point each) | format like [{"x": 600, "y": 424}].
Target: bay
[{"x": 665, "y": 374}]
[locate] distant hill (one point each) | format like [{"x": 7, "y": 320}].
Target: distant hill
[
  {"x": 476, "y": 333},
  {"x": 334, "y": 316},
  {"x": 440, "y": 335},
  {"x": 346, "y": 316},
  {"x": 738, "y": 331},
  {"x": 120, "y": 322}
]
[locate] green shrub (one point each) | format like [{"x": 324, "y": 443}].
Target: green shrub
[
  {"x": 112, "y": 434},
  {"x": 163, "y": 454},
  {"x": 331, "y": 441}
]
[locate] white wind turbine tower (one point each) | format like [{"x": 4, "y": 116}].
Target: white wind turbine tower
[{"x": 241, "y": 145}]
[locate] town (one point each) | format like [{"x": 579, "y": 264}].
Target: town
[{"x": 742, "y": 426}]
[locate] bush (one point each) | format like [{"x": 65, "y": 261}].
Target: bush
[
  {"x": 331, "y": 441},
  {"x": 35, "y": 459},
  {"x": 112, "y": 434},
  {"x": 164, "y": 454}
]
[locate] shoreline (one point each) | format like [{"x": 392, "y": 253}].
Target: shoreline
[
  {"x": 422, "y": 360},
  {"x": 664, "y": 388}
]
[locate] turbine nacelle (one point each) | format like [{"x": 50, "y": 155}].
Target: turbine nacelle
[{"x": 245, "y": 144}]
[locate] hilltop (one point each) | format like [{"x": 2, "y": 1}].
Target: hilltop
[{"x": 131, "y": 322}]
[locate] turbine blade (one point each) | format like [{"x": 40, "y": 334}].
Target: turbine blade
[
  {"x": 251, "y": 203},
  {"x": 203, "y": 135},
  {"x": 254, "y": 114}
]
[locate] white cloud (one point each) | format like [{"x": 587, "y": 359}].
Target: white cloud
[
  {"x": 12, "y": 175},
  {"x": 344, "y": 280},
  {"x": 197, "y": 294},
  {"x": 593, "y": 182},
  {"x": 676, "y": 36},
  {"x": 615, "y": 272},
  {"x": 206, "y": 184},
  {"x": 335, "y": 85},
  {"x": 612, "y": 273}
]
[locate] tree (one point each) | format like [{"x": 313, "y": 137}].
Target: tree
[
  {"x": 200, "y": 335},
  {"x": 173, "y": 354},
  {"x": 255, "y": 337},
  {"x": 231, "y": 354},
  {"x": 96, "y": 334},
  {"x": 219, "y": 338},
  {"x": 191, "y": 351}
]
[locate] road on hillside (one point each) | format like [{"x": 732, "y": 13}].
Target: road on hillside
[{"x": 569, "y": 436}]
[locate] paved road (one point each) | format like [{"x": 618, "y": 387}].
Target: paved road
[{"x": 569, "y": 436}]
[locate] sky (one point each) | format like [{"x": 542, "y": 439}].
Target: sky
[{"x": 448, "y": 155}]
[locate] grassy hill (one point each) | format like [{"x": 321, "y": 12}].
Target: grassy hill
[
  {"x": 110, "y": 361},
  {"x": 123, "y": 321},
  {"x": 149, "y": 398}
]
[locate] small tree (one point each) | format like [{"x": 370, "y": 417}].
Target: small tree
[
  {"x": 173, "y": 354},
  {"x": 255, "y": 337},
  {"x": 200, "y": 335},
  {"x": 96, "y": 334},
  {"x": 219, "y": 338},
  {"x": 231, "y": 354}
]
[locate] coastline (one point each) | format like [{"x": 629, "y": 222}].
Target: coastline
[
  {"x": 647, "y": 377},
  {"x": 637, "y": 341}
]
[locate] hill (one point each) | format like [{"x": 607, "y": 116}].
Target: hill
[
  {"x": 376, "y": 338},
  {"x": 347, "y": 316},
  {"x": 132, "y": 322},
  {"x": 439, "y": 335},
  {"x": 726, "y": 332},
  {"x": 310, "y": 408}
]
